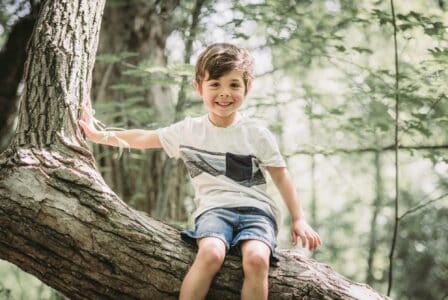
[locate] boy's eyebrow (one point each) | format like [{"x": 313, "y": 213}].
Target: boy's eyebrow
[{"x": 232, "y": 80}]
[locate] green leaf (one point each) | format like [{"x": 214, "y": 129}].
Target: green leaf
[
  {"x": 241, "y": 35},
  {"x": 336, "y": 111},
  {"x": 128, "y": 88},
  {"x": 405, "y": 26},
  {"x": 340, "y": 48},
  {"x": 126, "y": 54},
  {"x": 360, "y": 20},
  {"x": 379, "y": 116},
  {"x": 382, "y": 16},
  {"x": 438, "y": 53},
  {"x": 361, "y": 50},
  {"x": 108, "y": 58},
  {"x": 402, "y": 17}
]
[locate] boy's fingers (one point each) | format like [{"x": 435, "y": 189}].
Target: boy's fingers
[
  {"x": 303, "y": 238},
  {"x": 310, "y": 241},
  {"x": 315, "y": 243},
  {"x": 86, "y": 105},
  {"x": 83, "y": 125},
  {"x": 85, "y": 115},
  {"x": 317, "y": 240}
]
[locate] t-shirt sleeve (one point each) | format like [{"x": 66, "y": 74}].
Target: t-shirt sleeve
[
  {"x": 270, "y": 155},
  {"x": 171, "y": 137}
]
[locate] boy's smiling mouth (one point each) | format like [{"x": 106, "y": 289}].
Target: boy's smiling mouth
[{"x": 223, "y": 104}]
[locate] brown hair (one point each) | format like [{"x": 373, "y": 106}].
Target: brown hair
[{"x": 221, "y": 58}]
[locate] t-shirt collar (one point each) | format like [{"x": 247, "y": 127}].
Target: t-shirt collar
[{"x": 238, "y": 118}]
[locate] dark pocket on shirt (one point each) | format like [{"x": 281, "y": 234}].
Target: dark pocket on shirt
[{"x": 238, "y": 167}]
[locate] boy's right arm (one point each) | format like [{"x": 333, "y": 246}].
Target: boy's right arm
[{"x": 135, "y": 138}]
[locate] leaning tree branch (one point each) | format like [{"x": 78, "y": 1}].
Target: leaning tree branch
[
  {"x": 367, "y": 149},
  {"x": 60, "y": 222}
]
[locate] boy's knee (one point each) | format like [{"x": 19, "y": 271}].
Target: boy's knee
[
  {"x": 212, "y": 252},
  {"x": 256, "y": 261}
]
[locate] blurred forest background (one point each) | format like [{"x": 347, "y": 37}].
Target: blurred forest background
[{"x": 327, "y": 85}]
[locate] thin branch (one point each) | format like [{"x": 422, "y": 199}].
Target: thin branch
[
  {"x": 329, "y": 57},
  {"x": 196, "y": 17},
  {"x": 397, "y": 104},
  {"x": 368, "y": 149},
  {"x": 420, "y": 206},
  {"x": 434, "y": 104}
]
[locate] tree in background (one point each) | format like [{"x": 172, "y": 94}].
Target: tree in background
[
  {"x": 12, "y": 59},
  {"x": 127, "y": 96}
]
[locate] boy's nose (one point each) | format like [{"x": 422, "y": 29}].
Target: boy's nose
[{"x": 224, "y": 93}]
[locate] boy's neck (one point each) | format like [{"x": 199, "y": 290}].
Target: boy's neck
[{"x": 219, "y": 121}]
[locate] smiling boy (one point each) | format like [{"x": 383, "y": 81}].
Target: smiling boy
[{"x": 227, "y": 155}]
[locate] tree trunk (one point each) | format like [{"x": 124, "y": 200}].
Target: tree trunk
[
  {"x": 141, "y": 27},
  {"x": 62, "y": 223},
  {"x": 376, "y": 208},
  {"x": 175, "y": 175}
]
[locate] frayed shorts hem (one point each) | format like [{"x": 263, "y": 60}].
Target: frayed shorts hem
[{"x": 234, "y": 227}]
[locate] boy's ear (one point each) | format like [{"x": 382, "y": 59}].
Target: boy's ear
[
  {"x": 249, "y": 86},
  {"x": 197, "y": 87}
]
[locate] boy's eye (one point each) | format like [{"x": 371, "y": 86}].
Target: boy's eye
[{"x": 236, "y": 85}]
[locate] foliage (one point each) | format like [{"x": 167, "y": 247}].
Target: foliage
[
  {"x": 16, "y": 284},
  {"x": 326, "y": 86},
  {"x": 419, "y": 258},
  {"x": 10, "y": 12}
]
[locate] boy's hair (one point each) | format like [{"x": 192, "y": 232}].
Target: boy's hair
[{"x": 221, "y": 58}]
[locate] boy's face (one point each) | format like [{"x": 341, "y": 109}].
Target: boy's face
[{"x": 223, "y": 96}]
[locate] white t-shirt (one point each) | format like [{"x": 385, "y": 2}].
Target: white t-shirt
[{"x": 226, "y": 164}]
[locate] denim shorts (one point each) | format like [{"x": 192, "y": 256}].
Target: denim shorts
[{"x": 233, "y": 225}]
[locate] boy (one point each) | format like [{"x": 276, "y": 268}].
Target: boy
[{"x": 227, "y": 155}]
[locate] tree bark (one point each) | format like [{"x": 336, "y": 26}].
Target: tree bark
[{"x": 60, "y": 222}]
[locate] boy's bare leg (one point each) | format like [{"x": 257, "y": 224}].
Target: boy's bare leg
[
  {"x": 207, "y": 263},
  {"x": 256, "y": 268}
]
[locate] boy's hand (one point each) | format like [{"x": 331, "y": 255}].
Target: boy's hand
[
  {"x": 301, "y": 230},
  {"x": 86, "y": 123}
]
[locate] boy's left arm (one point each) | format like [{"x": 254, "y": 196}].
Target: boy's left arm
[{"x": 299, "y": 227}]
